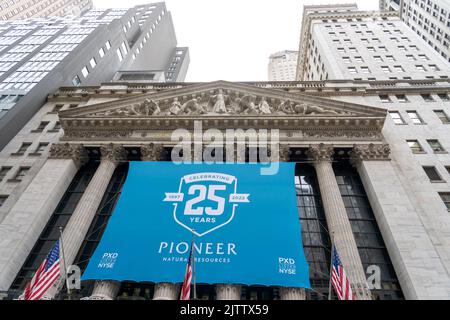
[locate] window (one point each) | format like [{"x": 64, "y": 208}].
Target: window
[
  {"x": 41, "y": 126},
  {"x": 377, "y": 58},
  {"x": 346, "y": 59},
  {"x": 352, "y": 50},
  {"x": 445, "y": 196},
  {"x": 3, "y": 172},
  {"x": 76, "y": 81},
  {"x": 352, "y": 70},
  {"x": 2, "y": 200},
  {"x": 433, "y": 67},
  {"x": 21, "y": 173},
  {"x": 448, "y": 169},
  {"x": 399, "y": 69},
  {"x": 41, "y": 147},
  {"x": 435, "y": 145},
  {"x": 401, "y": 98},
  {"x": 359, "y": 59},
  {"x": 93, "y": 63},
  {"x": 365, "y": 69},
  {"x": 415, "y": 146},
  {"x": 119, "y": 54},
  {"x": 423, "y": 57},
  {"x": 427, "y": 97},
  {"x": 442, "y": 116},
  {"x": 432, "y": 173},
  {"x": 444, "y": 96},
  {"x": 101, "y": 52},
  {"x": 124, "y": 48},
  {"x": 420, "y": 68},
  {"x": 57, "y": 108},
  {"x": 23, "y": 148},
  {"x": 108, "y": 45},
  {"x": 371, "y": 49},
  {"x": 386, "y": 69},
  {"x": 410, "y": 57},
  {"x": 396, "y": 117},
  {"x": 385, "y": 98},
  {"x": 414, "y": 117},
  {"x": 85, "y": 71}
]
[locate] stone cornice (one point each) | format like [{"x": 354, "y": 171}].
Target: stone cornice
[{"x": 312, "y": 88}]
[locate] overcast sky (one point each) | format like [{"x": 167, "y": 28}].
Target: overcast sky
[{"x": 233, "y": 39}]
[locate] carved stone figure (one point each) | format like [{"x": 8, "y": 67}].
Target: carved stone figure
[
  {"x": 264, "y": 107},
  {"x": 248, "y": 106},
  {"x": 192, "y": 107},
  {"x": 176, "y": 107},
  {"x": 219, "y": 105},
  {"x": 286, "y": 107}
]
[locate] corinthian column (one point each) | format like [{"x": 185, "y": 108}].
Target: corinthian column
[
  {"x": 81, "y": 219},
  {"x": 228, "y": 292},
  {"x": 337, "y": 219}
]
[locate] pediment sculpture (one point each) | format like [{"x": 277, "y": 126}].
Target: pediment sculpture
[{"x": 220, "y": 103}]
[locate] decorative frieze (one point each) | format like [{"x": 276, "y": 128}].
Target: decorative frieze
[
  {"x": 152, "y": 152},
  {"x": 370, "y": 152},
  {"x": 113, "y": 152}
]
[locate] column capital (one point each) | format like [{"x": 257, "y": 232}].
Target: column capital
[
  {"x": 320, "y": 152},
  {"x": 228, "y": 292},
  {"x": 152, "y": 152},
  {"x": 370, "y": 152},
  {"x": 113, "y": 152},
  {"x": 283, "y": 154},
  {"x": 76, "y": 152}
]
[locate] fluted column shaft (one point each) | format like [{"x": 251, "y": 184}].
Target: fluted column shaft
[
  {"x": 228, "y": 292},
  {"x": 105, "y": 290},
  {"x": 292, "y": 293},
  {"x": 337, "y": 220},
  {"x": 85, "y": 212},
  {"x": 166, "y": 291}
]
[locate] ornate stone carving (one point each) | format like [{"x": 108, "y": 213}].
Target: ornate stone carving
[
  {"x": 87, "y": 134},
  {"x": 219, "y": 102},
  {"x": 342, "y": 134},
  {"x": 76, "y": 152},
  {"x": 284, "y": 153},
  {"x": 228, "y": 292},
  {"x": 152, "y": 152},
  {"x": 292, "y": 293},
  {"x": 370, "y": 152},
  {"x": 320, "y": 152},
  {"x": 113, "y": 152}
]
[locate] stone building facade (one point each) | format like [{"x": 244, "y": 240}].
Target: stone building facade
[{"x": 360, "y": 177}]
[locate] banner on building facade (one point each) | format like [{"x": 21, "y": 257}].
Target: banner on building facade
[{"x": 246, "y": 226}]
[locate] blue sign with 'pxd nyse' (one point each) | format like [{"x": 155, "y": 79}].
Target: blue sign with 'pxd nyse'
[{"x": 245, "y": 225}]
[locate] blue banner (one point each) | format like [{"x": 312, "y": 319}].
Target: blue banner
[{"x": 245, "y": 225}]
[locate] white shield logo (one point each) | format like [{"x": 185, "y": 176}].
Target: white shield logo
[{"x": 205, "y": 201}]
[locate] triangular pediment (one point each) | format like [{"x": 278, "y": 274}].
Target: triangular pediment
[{"x": 223, "y": 99}]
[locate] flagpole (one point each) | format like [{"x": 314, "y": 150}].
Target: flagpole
[
  {"x": 331, "y": 266},
  {"x": 193, "y": 264},
  {"x": 64, "y": 262}
]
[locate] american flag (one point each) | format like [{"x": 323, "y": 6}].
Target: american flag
[
  {"x": 186, "y": 288},
  {"x": 47, "y": 273},
  {"x": 340, "y": 282}
]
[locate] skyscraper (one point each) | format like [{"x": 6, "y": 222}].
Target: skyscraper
[
  {"x": 429, "y": 19},
  {"x": 23, "y": 9},
  {"x": 340, "y": 42},
  {"x": 39, "y": 55},
  {"x": 283, "y": 66}
]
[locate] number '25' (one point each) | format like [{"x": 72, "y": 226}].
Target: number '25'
[{"x": 202, "y": 192}]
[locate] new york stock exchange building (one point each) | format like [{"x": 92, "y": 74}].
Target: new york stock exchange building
[{"x": 96, "y": 163}]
